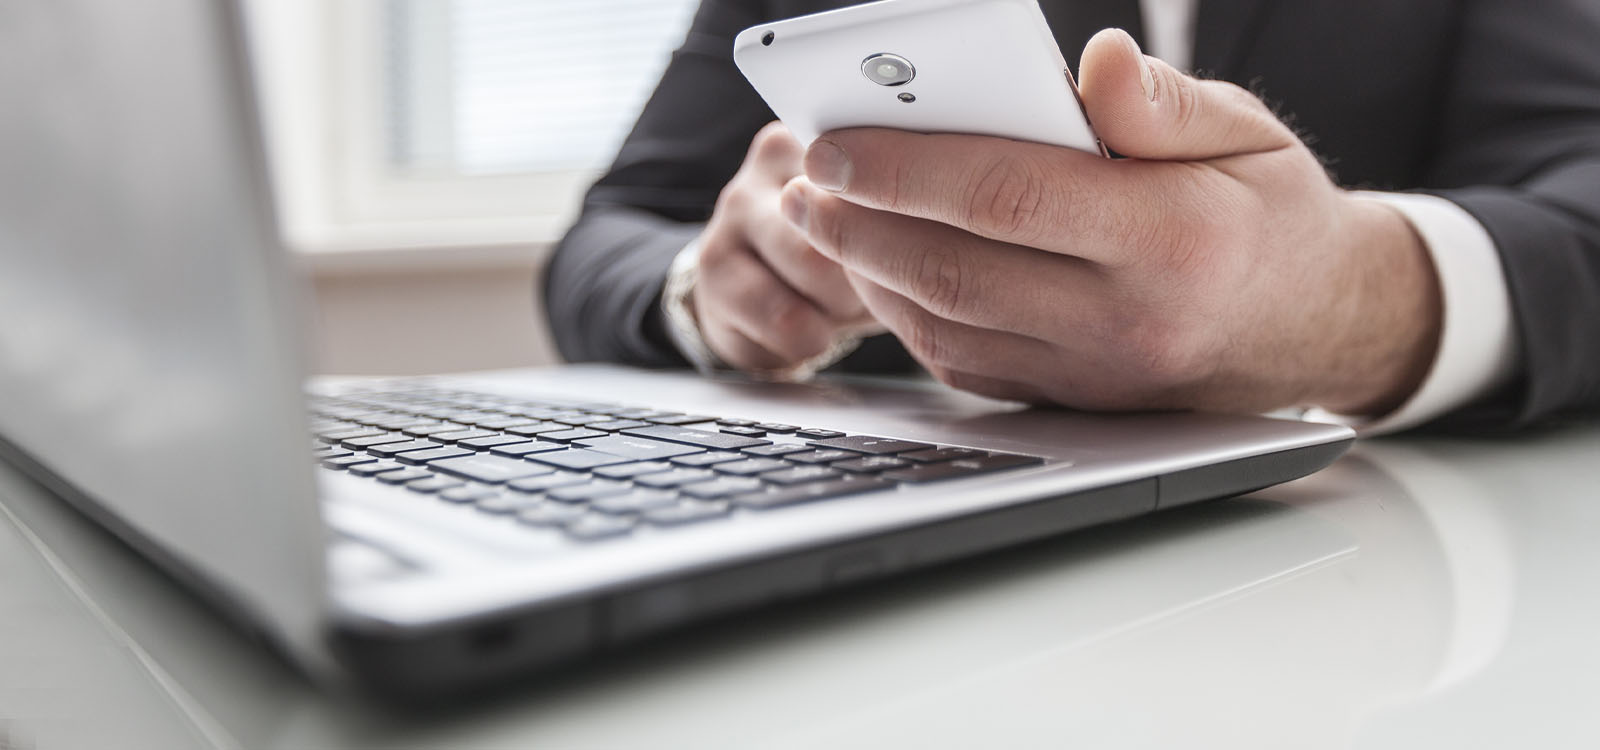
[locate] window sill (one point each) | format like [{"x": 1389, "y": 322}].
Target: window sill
[{"x": 421, "y": 247}]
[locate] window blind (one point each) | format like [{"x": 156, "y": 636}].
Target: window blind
[{"x": 484, "y": 87}]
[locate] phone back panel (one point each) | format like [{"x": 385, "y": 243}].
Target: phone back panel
[{"x": 985, "y": 67}]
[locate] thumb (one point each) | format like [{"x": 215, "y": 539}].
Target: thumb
[{"x": 1144, "y": 108}]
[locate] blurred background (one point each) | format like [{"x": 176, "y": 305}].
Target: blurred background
[{"x": 428, "y": 154}]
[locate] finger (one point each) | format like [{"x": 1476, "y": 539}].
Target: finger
[
  {"x": 774, "y": 154},
  {"x": 737, "y": 288},
  {"x": 1144, "y": 108},
  {"x": 1029, "y": 194},
  {"x": 790, "y": 255},
  {"x": 737, "y": 350},
  {"x": 951, "y": 273},
  {"x": 994, "y": 363}
]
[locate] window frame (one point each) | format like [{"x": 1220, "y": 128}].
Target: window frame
[{"x": 320, "y": 68}]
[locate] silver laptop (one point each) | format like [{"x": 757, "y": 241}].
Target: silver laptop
[{"x": 429, "y": 535}]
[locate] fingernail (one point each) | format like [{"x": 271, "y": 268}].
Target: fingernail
[
  {"x": 827, "y": 166},
  {"x": 793, "y": 205}
]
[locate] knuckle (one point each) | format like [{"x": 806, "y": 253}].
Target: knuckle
[
  {"x": 829, "y": 225},
  {"x": 791, "y": 319},
  {"x": 940, "y": 281},
  {"x": 733, "y": 199},
  {"x": 1186, "y": 101},
  {"x": 1008, "y": 198},
  {"x": 716, "y": 252}
]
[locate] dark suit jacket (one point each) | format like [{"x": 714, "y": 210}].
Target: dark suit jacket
[{"x": 1493, "y": 104}]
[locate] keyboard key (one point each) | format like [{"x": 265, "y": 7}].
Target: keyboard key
[
  {"x": 727, "y": 422},
  {"x": 815, "y": 434},
  {"x": 874, "y": 445},
  {"x": 777, "y": 449},
  {"x": 808, "y": 492},
  {"x": 961, "y": 467},
  {"x": 687, "y": 511},
  {"x": 484, "y": 443},
  {"x": 578, "y": 458},
  {"x": 334, "y": 436},
  {"x": 345, "y": 462},
  {"x": 640, "y": 413},
  {"x": 326, "y": 453},
  {"x": 568, "y": 436},
  {"x": 702, "y": 438},
  {"x": 624, "y": 471},
  {"x": 488, "y": 469},
  {"x": 635, "y": 502},
  {"x": 404, "y": 475},
  {"x": 374, "y": 467},
  {"x": 451, "y": 437},
  {"x": 673, "y": 478},
  {"x": 578, "y": 419},
  {"x": 433, "y": 429},
  {"x": 390, "y": 449},
  {"x": 595, "y": 526},
  {"x": 583, "y": 493},
  {"x": 750, "y": 466},
  {"x": 434, "y": 484},
  {"x": 399, "y": 424},
  {"x": 616, "y": 425},
  {"x": 750, "y": 432},
  {"x": 547, "y": 481},
  {"x": 821, "y": 457},
  {"x": 502, "y": 503},
  {"x": 680, "y": 419},
  {"x": 776, "y": 427},
  {"x": 537, "y": 428},
  {"x": 638, "y": 448},
  {"x": 707, "y": 459},
  {"x": 506, "y": 422},
  {"x": 800, "y": 475},
  {"x": 521, "y": 450},
  {"x": 550, "y": 514},
  {"x": 870, "y": 464},
  {"x": 941, "y": 454},
  {"x": 473, "y": 417},
  {"x": 359, "y": 443},
  {"x": 435, "y": 454},
  {"x": 722, "y": 487},
  {"x": 468, "y": 494}
]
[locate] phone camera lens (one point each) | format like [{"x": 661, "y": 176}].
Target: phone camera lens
[
  {"x": 766, "y": 39},
  {"x": 885, "y": 69}
]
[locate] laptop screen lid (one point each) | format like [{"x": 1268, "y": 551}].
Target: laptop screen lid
[{"x": 148, "y": 360}]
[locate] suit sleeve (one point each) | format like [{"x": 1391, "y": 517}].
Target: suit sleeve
[
  {"x": 603, "y": 285},
  {"x": 1519, "y": 149}
]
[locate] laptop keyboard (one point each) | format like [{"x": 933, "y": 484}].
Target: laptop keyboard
[{"x": 601, "y": 471}]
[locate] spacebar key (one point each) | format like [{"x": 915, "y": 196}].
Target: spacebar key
[
  {"x": 689, "y": 436},
  {"x": 805, "y": 493},
  {"x": 488, "y": 469}
]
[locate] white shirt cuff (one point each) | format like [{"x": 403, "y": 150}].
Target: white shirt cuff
[
  {"x": 682, "y": 327},
  {"x": 1478, "y": 343}
]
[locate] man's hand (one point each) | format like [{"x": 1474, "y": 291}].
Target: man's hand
[
  {"x": 1218, "y": 267},
  {"x": 765, "y": 300}
]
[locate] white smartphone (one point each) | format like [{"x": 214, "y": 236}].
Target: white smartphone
[{"x": 983, "y": 67}]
